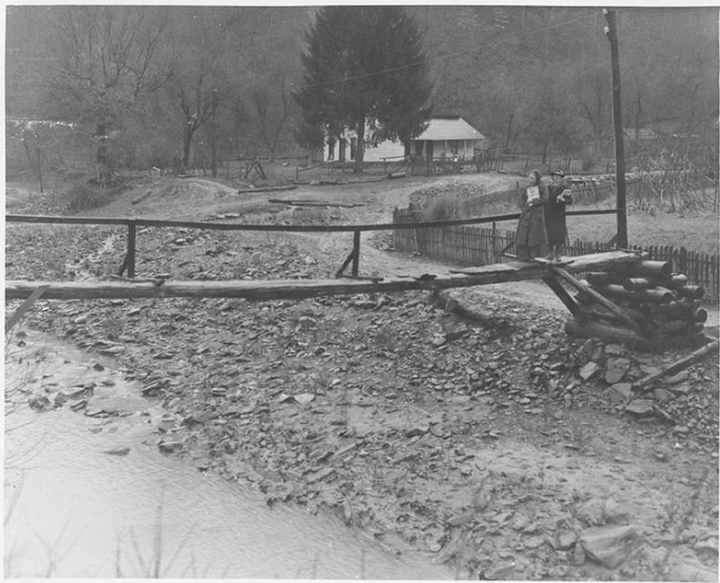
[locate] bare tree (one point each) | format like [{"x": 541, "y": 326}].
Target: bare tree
[
  {"x": 196, "y": 101},
  {"x": 272, "y": 114},
  {"x": 109, "y": 59}
]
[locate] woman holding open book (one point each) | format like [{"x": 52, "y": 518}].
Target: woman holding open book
[{"x": 531, "y": 237}]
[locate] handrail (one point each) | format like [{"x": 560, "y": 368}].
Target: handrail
[
  {"x": 132, "y": 224},
  {"x": 139, "y": 222}
]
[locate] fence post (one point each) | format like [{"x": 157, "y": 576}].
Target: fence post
[
  {"x": 131, "y": 248},
  {"x": 682, "y": 261},
  {"x": 494, "y": 241}
]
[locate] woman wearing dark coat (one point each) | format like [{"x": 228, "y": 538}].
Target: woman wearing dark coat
[
  {"x": 531, "y": 236},
  {"x": 559, "y": 197}
]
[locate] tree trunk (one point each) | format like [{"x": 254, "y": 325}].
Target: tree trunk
[
  {"x": 102, "y": 157},
  {"x": 360, "y": 151},
  {"x": 187, "y": 141},
  {"x": 213, "y": 135}
]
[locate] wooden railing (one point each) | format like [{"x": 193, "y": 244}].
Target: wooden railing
[{"x": 128, "y": 263}]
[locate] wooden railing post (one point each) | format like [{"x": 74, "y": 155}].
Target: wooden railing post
[
  {"x": 131, "y": 249},
  {"x": 356, "y": 252}
]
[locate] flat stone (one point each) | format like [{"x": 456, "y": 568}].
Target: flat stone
[
  {"x": 565, "y": 540},
  {"x": 461, "y": 519},
  {"x": 610, "y": 545},
  {"x": 40, "y": 403},
  {"x": 587, "y": 371},
  {"x": 320, "y": 475},
  {"x": 500, "y": 572},
  {"x": 170, "y": 446},
  {"x": 614, "y": 350},
  {"x": 520, "y": 523},
  {"x": 419, "y": 429},
  {"x": 692, "y": 571},
  {"x": 534, "y": 542},
  {"x": 616, "y": 369},
  {"x": 681, "y": 389},
  {"x": 578, "y": 555},
  {"x": 707, "y": 545},
  {"x": 641, "y": 408},
  {"x": 663, "y": 395},
  {"x": 649, "y": 369},
  {"x": 623, "y": 390}
]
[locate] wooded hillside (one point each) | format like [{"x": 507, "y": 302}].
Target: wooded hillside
[{"x": 529, "y": 78}]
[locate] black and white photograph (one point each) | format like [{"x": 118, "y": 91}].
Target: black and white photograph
[{"x": 361, "y": 291}]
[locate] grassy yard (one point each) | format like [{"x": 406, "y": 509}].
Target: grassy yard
[{"x": 696, "y": 231}]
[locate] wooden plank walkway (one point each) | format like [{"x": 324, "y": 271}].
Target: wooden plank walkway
[{"x": 305, "y": 288}]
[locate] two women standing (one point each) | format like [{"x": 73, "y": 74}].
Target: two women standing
[{"x": 542, "y": 217}]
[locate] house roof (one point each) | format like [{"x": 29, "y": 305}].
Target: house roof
[{"x": 450, "y": 128}]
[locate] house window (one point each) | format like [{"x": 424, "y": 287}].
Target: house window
[
  {"x": 331, "y": 149},
  {"x": 353, "y": 148},
  {"x": 454, "y": 147}
]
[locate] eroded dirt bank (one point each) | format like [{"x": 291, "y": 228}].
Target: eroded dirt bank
[{"x": 476, "y": 440}]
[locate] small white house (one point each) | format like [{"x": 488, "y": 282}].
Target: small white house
[{"x": 445, "y": 136}]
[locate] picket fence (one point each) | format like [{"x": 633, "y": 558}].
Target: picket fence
[{"x": 471, "y": 245}]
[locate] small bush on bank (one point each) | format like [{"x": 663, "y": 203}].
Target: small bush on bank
[
  {"x": 445, "y": 207},
  {"x": 82, "y": 197}
]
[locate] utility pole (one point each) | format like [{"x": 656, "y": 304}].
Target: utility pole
[{"x": 621, "y": 204}]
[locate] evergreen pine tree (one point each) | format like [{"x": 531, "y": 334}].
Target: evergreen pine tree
[{"x": 365, "y": 70}]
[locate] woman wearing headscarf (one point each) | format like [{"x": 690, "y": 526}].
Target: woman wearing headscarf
[
  {"x": 559, "y": 196},
  {"x": 531, "y": 236}
]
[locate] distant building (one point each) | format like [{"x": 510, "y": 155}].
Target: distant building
[
  {"x": 639, "y": 134},
  {"x": 445, "y": 136}
]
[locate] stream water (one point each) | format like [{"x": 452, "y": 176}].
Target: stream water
[{"x": 93, "y": 497}]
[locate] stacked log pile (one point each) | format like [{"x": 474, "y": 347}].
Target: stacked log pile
[{"x": 664, "y": 308}]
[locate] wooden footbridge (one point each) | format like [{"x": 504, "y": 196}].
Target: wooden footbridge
[
  {"x": 119, "y": 287},
  {"x": 259, "y": 290}
]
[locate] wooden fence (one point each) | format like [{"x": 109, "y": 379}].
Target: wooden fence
[{"x": 475, "y": 245}]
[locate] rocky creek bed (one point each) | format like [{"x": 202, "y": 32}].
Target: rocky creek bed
[{"x": 465, "y": 425}]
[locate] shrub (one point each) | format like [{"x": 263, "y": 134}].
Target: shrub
[
  {"x": 82, "y": 197},
  {"x": 589, "y": 159},
  {"x": 443, "y": 208}
]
